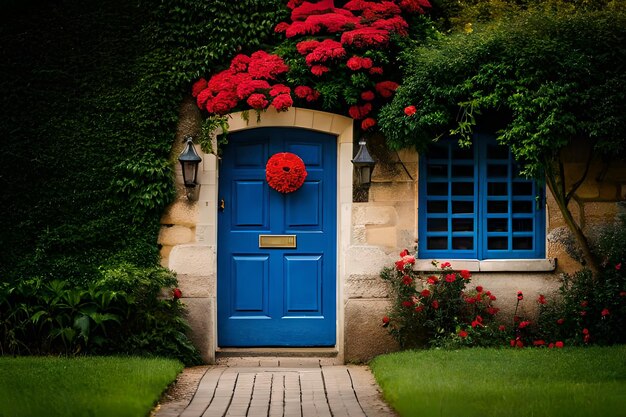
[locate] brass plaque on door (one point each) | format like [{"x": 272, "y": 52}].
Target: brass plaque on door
[{"x": 277, "y": 241}]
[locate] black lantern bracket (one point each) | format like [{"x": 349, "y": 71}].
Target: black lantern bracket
[
  {"x": 364, "y": 164},
  {"x": 189, "y": 161}
]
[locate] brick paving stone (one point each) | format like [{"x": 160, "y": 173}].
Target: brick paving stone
[{"x": 283, "y": 387}]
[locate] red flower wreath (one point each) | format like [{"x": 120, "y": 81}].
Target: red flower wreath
[{"x": 285, "y": 172}]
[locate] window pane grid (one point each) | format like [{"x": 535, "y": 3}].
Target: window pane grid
[
  {"x": 476, "y": 192},
  {"x": 451, "y": 191}
]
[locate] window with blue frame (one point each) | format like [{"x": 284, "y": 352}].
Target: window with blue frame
[{"x": 474, "y": 205}]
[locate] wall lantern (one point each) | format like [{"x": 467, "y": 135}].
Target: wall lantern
[
  {"x": 364, "y": 164},
  {"x": 189, "y": 161}
]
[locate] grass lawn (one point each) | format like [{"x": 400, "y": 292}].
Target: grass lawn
[
  {"x": 505, "y": 382},
  {"x": 87, "y": 386}
]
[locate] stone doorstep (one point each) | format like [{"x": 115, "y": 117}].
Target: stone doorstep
[{"x": 265, "y": 352}]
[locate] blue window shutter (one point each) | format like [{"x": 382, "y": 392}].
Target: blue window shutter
[{"x": 474, "y": 205}]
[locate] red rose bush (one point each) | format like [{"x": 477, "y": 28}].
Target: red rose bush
[{"x": 438, "y": 309}]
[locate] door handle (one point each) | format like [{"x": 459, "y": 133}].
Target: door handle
[{"x": 222, "y": 205}]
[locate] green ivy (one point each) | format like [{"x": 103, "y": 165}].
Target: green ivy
[{"x": 91, "y": 92}]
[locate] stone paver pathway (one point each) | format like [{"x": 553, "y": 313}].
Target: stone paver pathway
[{"x": 282, "y": 387}]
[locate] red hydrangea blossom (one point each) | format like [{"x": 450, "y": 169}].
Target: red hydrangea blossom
[
  {"x": 359, "y": 112},
  {"x": 410, "y": 110},
  {"x": 414, "y": 6},
  {"x": 395, "y": 24},
  {"x": 307, "y": 93},
  {"x": 333, "y": 22},
  {"x": 281, "y": 27},
  {"x": 248, "y": 87},
  {"x": 301, "y": 28},
  {"x": 279, "y": 89},
  {"x": 282, "y": 102},
  {"x": 202, "y": 98},
  {"x": 368, "y": 123},
  {"x": 222, "y": 103},
  {"x": 356, "y": 63},
  {"x": 245, "y": 79},
  {"x": 307, "y": 9},
  {"x": 376, "y": 71},
  {"x": 292, "y": 4},
  {"x": 266, "y": 66},
  {"x": 325, "y": 51},
  {"x": 382, "y": 10},
  {"x": 386, "y": 88},
  {"x": 302, "y": 91},
  {"x": 240, "y": 63},
  {"x": 368, "y": 95},
  {"x": 319, "y": 70},
  {"x": 257, "y": 101},
  {"x": 306, "y": 47},
  {"x": 365, "y": 37},
  {"x": 373, "y": 10},
  {"x": 198, "y": 86}
]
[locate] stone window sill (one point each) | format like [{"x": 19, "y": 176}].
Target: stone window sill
[{"x": 492, "y": 265}]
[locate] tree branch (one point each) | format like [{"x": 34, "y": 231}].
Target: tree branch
[{"x": 578, "y": 183}]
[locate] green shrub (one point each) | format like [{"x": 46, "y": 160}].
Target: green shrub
[
  {"x": 588, "y": 309},
  {"x": 88, "y": 120},
  {"x": 121, "y": 313}
]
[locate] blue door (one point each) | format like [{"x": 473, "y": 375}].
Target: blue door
[{"x": 277, "y": 296}]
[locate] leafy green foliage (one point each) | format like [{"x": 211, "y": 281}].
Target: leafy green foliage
[
  {"x": 540, "y": 80},
  {"x": 597, "y": 305},
  {"x": 89, "y": 116},
  {"x": 460, "y": 15},
  {"x": 120, "y": 313}
]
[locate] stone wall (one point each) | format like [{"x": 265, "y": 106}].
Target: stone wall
[
  {"x": 187, "y": 239},
  {"x": 386, "y": 222},
  {"x": 596, "y": 203}
]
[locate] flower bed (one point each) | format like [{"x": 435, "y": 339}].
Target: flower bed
[{"x": 442, "y": 310}]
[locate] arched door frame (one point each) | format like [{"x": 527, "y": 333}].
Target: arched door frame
[{"x": 206, "y": 228}]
